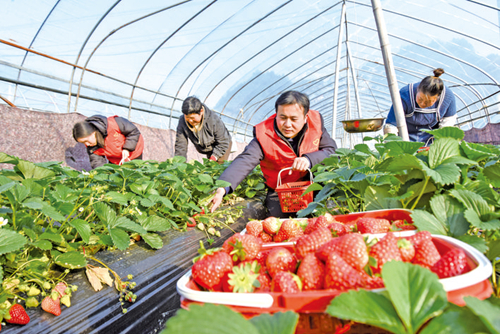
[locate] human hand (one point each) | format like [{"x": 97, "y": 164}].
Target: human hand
[
  {"x": 300, "y": 164},
  {"x": 125, "y": 157},
  {"x": 217, "y": 200}
]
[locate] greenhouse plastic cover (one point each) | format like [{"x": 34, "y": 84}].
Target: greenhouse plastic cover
[{"x": 140, "y": 59}]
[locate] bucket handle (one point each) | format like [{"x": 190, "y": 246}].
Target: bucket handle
[{"x": 288, "y": 168}]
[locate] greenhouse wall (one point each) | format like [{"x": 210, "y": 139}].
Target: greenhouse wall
[{"x": 46, "y": 136}]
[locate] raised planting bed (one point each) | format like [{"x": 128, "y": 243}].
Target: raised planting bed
[{"x": 155, "y": 272}]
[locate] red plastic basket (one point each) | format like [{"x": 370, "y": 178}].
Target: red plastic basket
[{"x": 290, "y": 194}]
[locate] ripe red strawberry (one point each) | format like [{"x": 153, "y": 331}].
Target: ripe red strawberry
[
  {"x": 254, "y": 227},
  {"x": 426, "y": 254},
  {"x": 289, "y": 229},
  {"x": 406, "y": 249},
  {"x": 261, "y": 257},
  {"x": 352, "y": 248},
  {"x": 17, "y": 315},
  {"x": 310, "y": 225},
  {"x": 285, "y": 281},
  {"x": 325, "y": 250},
  {"x": 403, "y": 225},
  {"x": 265, "y": 283},
  {"x": 373, "y": 225},
  {"x": 385, "y": 250},
  {"x": 337, "y": 229},
  {"x": 316, "y": 223},
  {"x": 372, "y": 282},
  {"x": 243, "y": 247},
  {"x": 419, "y": 237},
  {"x": 280, "y": 259},
  {"x": 310, "y": 243},
  {"x": 452, "y": 263},
  {"x": 311, "y": 272},
  {"x": 211, "y": 268},
  {"x": 265, "y": 237},
  {"x": 339, "y": 275},
  {"x": 271, "y": 225},
  {"x": 52, "y": 306}
]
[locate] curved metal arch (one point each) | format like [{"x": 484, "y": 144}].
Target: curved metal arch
[
  {"x": 474, "y": 91},
  {"x": 81, "y": 50},
  {"x": 154, "y": 52},
  {"x": 436, "y": 51},
  {"x": 111, "y": 33},
  {"x": 253, "y": 113},
  {"x": 282, "y": 77},
  {"x": 267, "y": 47},
  {"x": 198, "y": 43},
  {"x": 420, "y": 75},
  {"x": 485, "y": 5},
  {"x": 227, "y": 43},
  {"x": 430, "y": 23},
  {"x": 31, "y": 44}
]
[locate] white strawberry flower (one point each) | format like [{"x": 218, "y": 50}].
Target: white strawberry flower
[
  {"x": 85, "y": 173},
  {"x": 3, "y": 221}
]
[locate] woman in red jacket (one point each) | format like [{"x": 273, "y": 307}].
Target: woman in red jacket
[{"x": 113, "y": 139}]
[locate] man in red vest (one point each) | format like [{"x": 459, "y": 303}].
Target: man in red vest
[{"x": 293, "y": 137}]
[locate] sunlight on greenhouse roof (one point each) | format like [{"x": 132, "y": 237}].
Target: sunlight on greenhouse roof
[{"x": 140, "y": 59}]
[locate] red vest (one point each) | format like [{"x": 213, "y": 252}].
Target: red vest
[
  {"x": 114, "y": 141},
  {"x": 278, "y": 154}
]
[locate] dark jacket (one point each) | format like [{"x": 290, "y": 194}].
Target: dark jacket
[
  {"x": 213, "y": 138},
  {"x": 129, "y": 130},
  {"x": 245, "y": 162}
]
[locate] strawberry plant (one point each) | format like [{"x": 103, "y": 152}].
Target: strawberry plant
[
  {"x": 54, "y": 219},
  {"x": 452, "y": 188}
]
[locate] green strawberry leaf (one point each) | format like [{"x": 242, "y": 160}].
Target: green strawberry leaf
[
  {"x": 146, "y": 202},
  {"x": 105, "y": 213},
  {"x": 455, "y": 320},
  {"x": 368, "y": 308},
  {"x": 426, "y": 221},
  {"x": 363, "y": 148},
  {"x": 493, "y": 174},
  {"x": 120, "y": 238},
  {"x": 415, "y": 292},
  {"x": 116, "y": 197},
  {"x": 204, "y": 178},
  {"x": 473, "y": 218},
  {"x": 7, "y": 186},
  {"x": 444, "y": 174},
  {"x": 441, "y": 150},
  {"x": 377, "y": 198},
  {"x": 32, "y": 171},
  {"x": 54, "y": 237},
  {"x": 11, "y": 241},
  {"x": 71, "y": 260},
  {"x": 43, "y": 244},
  {"x": 449, "y": 212},
  {"x": 400, "y": 163},
  {"x": 493, "y": 249},
  {"x": 471, "y": 201},
  {"x": 208, "y": 319},
  {"x": 475, "y": 241},
  {"x": 128, "y": 225},
  {"x": 51, "y": 212},
  {"x": 278, "y": 323},
  {"x": 161, "y": 199},
  {"x": 447, "y": 132},
  {"x": 153, "y": 240},
  {"x": 82, "y": 227},
  {"x": 156, "y": 224},
  {"x": 34, "y": 203},
  {"x": 486, "y": 311},
  {"x": 477, "y": 152},
  {"x": 402, "y": 147}
]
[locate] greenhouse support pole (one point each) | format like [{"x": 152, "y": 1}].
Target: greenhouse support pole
[
  {"x": 354, "y": 80},
  {"x": 389, "y": 70},
  {"x": 337, "y": 71}
]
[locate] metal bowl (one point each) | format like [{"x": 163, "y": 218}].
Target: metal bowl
[{"x": 363, "y": 125}]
